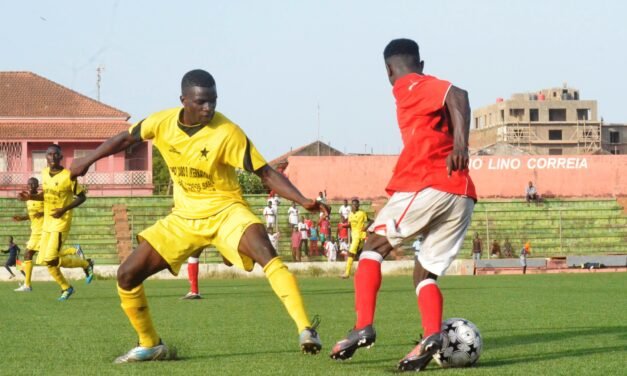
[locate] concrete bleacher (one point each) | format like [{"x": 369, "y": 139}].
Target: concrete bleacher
[
  {"x": 92, "y": 228},
  {"x": 555, "y": 228}
]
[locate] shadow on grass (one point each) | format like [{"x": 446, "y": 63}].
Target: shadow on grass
[
  {"x": 550, "y": 356},
  {"x": 551, "y": 335}
]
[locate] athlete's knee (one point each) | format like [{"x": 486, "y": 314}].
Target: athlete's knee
[
  {"x": 126, "y": 277},
  {"x": 421, "y": 274},
  {"x": 53, "y": 262},
  {"x": 29, "y": 255}
]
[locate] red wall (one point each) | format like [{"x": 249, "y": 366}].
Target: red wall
[{"x": 558, "y": 176}]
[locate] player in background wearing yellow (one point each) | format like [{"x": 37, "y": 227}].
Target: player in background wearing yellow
[
  {"x": 358, "y": 220},
  {"x": 60, "y": 195},
  {"x": 35, "y": 214},
  {"x": 202, "y": 149}
]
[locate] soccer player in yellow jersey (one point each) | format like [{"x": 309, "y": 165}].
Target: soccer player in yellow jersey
[
  {"x": 35, "y": 214},
  {"x": 202, "y": 149},
  {"x": 60, "y": 195},
  {"x": 359, "y": 222}
]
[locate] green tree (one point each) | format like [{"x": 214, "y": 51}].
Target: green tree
[
  {"x": 250, "y": 183},
  {"x": 160, "y": 173}
]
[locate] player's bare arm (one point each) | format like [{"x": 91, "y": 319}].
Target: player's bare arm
[
  {"x": 115, "y": 144},
  {"x": 281, "y": 185},
  {"x": 25, "y": 196},
  {"x": 80, "y": 198},
  {"x": 458, "y": 107}
]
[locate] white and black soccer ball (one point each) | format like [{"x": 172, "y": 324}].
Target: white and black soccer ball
[{"x": 462, "y": 344}]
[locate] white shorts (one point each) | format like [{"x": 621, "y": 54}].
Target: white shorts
[{"x": 441, "y": 217}]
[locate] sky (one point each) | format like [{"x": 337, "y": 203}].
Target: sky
[{"x": 291, "y": 72}]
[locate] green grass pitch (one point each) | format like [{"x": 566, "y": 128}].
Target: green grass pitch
[{"x": 568, "y": 324}]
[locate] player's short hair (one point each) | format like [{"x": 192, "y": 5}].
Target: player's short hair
[
  {"x": 56, "y": 146},
  {"x": 402, "y": 46},
  {"x": 33, "y": 179},
  {"x": 197, "y": 77}
]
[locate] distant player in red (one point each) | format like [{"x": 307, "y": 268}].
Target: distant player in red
[{"x": 431, "y": 195}]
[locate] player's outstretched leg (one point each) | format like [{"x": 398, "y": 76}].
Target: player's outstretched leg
[
  {"x": 356, "y": 338},
  {"x": 286, "y": 288},
  {"x": 367, "y": 284},
  {"x": 141, "y": 264},
  {"x": 421, "y": 355}
]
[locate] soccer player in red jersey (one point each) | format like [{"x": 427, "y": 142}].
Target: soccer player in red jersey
[{"x": 431, "y": 195}]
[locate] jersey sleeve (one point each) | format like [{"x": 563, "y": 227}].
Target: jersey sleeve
[
  {"x": 77, "y": 188},
  {"x": 240, "y": 153},
  {"x": 144, "y": 129}
]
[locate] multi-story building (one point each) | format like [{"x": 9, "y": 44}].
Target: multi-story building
[
  {"x": 614, "y": 138},
  {"x": 552, "y": 121}
]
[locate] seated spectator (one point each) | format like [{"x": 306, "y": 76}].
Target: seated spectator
[
  {"x": 532, "y": 194},
  {"x": 296, "y": 238},
  {"x": 495, "y": 250},
  {"x": 322, "y": 197},
  {"x": 507, "y": 249}
]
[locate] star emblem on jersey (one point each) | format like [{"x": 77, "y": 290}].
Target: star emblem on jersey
[{"x": 203, "y": 153}]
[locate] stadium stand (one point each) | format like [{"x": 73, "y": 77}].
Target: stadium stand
[{"x": 556, "y": 228}]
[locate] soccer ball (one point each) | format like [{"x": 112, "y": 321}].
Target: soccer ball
[{"x": 462, "y": 344}]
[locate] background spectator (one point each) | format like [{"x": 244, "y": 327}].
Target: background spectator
[
  {"x": 507, "y": 249},
  {"x": 296, "y": 238},
  {"x": 304, "y": 236},
  {"x": 13, "y": 252},
  {"x": 477, "y": 247},
  {"x": 292, "y": 214},
  {"x": 495, "y": 249},
  {"x": 532, "y": 194},
  {"x": 313, "y": 240},
  {"x": 524, "y": 252},
  {"x": 270, "y": 216},
  {"x": 345, "y": 210},
  {"x": 330, "y": 250},
  {"x": 325, "y": 229}
]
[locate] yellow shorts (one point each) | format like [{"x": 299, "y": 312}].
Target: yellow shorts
[
  {"x": 50, "y": 246},
  {"x": 356, "y": 246},
  {"x": 33, "y": 241},
  {"x": 176, "y": 238}
]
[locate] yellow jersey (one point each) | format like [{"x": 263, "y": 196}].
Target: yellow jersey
[
  {"x": 202, "y": 166},
  {"x": 358, "y": 220},
  {"x": 36, "y": 223},
  {"x": 59, "y": 192}
]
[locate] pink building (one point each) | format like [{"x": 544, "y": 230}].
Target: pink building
[{"x": 36, "y": 112}]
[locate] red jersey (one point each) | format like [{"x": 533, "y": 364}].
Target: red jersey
[
  {"x": 324, "y": 227},
  {"x": 427, "y": 141},
  {"x": 342, "y": 230}
]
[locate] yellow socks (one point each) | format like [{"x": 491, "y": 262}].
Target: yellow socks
[
  {"x": 135, "y": 306},
  {"x": 55, "y": 272},
  {"x": 28, "y": 272},
  {"x": 72, "y": 262},
  {"x": 286, "y": 288},
  {"x": 349, "y": 264}
]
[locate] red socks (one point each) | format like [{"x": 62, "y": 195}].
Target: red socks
[
  {"x": 367, "y": 284},
  {"x": 430, "y": 305},
  {"x": 192, "y": 274}
]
